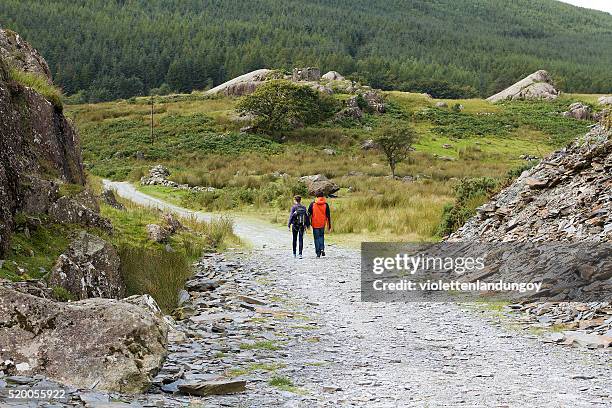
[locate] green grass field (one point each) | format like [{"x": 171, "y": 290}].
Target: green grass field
[{"x": 197, "y": 138}]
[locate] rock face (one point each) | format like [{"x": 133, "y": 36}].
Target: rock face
[
  {"x": 578, "y": 111},
  {"x": 565, "y": 198},
  {"x": 333, "y": 76},
  {"x": 39, "y": 146},
  {"x": 318, "y": 184},
  {"x": 244, "y": 84},
  {"x": 20, "y": 54},
  {"x": 90, "y": 267},
  {"x": 68, "y": 210},
  {"x": 538, "y": 85},
  {"x": 103, "y": 344},
  {"x": 306, "y": 74}
]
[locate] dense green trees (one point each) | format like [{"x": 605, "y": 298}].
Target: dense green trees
[{"x": 119, "y": 48}]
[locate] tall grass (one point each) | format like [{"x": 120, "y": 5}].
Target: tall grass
[
  {"x": 40, "y": 84},
  {"x": 152, "y": 268},
  {"x": 154, "y": 271}
]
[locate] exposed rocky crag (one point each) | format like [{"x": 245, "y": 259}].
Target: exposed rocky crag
[
  {"x": 243, "y": 84},
  {"x": 95, "y": 343},
  {"x": 19, "y": 54},
  {"x": 90, "y": 267},
  {"x": 538, "y": 85},
  {"x": 40, "y": 147}
]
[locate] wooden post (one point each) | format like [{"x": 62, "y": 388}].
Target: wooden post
[{"x": 151, "y": 119}]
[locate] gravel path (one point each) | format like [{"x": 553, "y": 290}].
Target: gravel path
[{"x": 338, "y": 351}]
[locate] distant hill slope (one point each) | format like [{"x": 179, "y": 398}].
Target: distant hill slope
[{"x": 119, "y": 48}]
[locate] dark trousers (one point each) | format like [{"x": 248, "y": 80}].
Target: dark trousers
[
  {"x": 319, "y": 239},
  {"x": 298, "y": 233}
]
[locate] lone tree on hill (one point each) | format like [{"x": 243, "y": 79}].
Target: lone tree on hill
[
  {"x": 280, "y": 105},
  {"x": 395, "y": 141}
]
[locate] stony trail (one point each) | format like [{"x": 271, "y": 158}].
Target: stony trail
[{"x": 389, "y": 355}]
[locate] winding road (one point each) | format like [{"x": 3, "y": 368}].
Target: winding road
[{"x": 403, "y": 354}]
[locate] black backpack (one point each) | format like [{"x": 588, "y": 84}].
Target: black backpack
[{"x": 300, "y": 217}]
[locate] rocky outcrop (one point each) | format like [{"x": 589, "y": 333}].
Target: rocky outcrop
[
  {"x": 21, "y": 55},
  {"x": 538, "y": 85},
  {"x": 243, "y": 84},
  {"x": 40, "y": 147},
  {"x": 100, "y": 344},
  {"x": 318, "y": 184},
  {"x": 333, "y": 76},
  {"x": 90, "y": 267},
  {"x": 578, "y": 110},
  {"x": 67, "y": 210},
  {"x": 306, "y": 74}
]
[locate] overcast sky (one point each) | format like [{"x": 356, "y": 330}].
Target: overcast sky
[{"x": 604, "y": 5}]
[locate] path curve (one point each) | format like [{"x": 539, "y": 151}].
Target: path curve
[{"x": 405, "y": 355}]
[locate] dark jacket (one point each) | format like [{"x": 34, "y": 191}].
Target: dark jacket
[{"x": 292, "y": 215}]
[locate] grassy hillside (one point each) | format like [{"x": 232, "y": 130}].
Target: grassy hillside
[
  {"x": 197, "y": 138},
  {"x": 115, "y": 49}
]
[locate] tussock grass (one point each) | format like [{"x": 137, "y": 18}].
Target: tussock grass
[
  {"x": 149, "y": 267},
  {"x": 40, "y": 84}
]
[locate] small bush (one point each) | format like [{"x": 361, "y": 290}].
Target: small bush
[
  {"x": 470, "y": 194},
  {"x": 40, "y": 84}
]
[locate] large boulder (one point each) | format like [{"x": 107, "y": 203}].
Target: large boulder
[
  {"x": 333, "y": 76},
  {"x": 578, "y": 110},
  {"x": 21, "y": 55},
  {"x": 538, "y": 85},
  {"x": 605, "y": 100},
  {"x": 243, "y": 84},
  {"x": 100, "y": 344},
  {"x": 108, "y": 196},
  {"x": 67, "y": 210},
  {"x": 90, "y": 267},
  {"x": 318, "y": 184}
]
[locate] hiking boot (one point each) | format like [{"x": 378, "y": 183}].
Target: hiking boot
[{"x": 322, "y": 253}]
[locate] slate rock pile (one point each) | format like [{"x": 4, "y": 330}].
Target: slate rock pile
[
  {"x": 566, "y": 198},
  {"x": 158, "y": 176}
]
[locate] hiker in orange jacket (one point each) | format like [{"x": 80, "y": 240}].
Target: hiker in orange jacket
[{"x": 319, "y": 214}]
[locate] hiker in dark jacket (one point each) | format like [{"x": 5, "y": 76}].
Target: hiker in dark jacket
[
  {"x": 319, "y": 214},
  {"x": 298, "y": 222}
]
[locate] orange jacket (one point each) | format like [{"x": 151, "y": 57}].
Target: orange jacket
[{"x": 319, "y": 213}]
